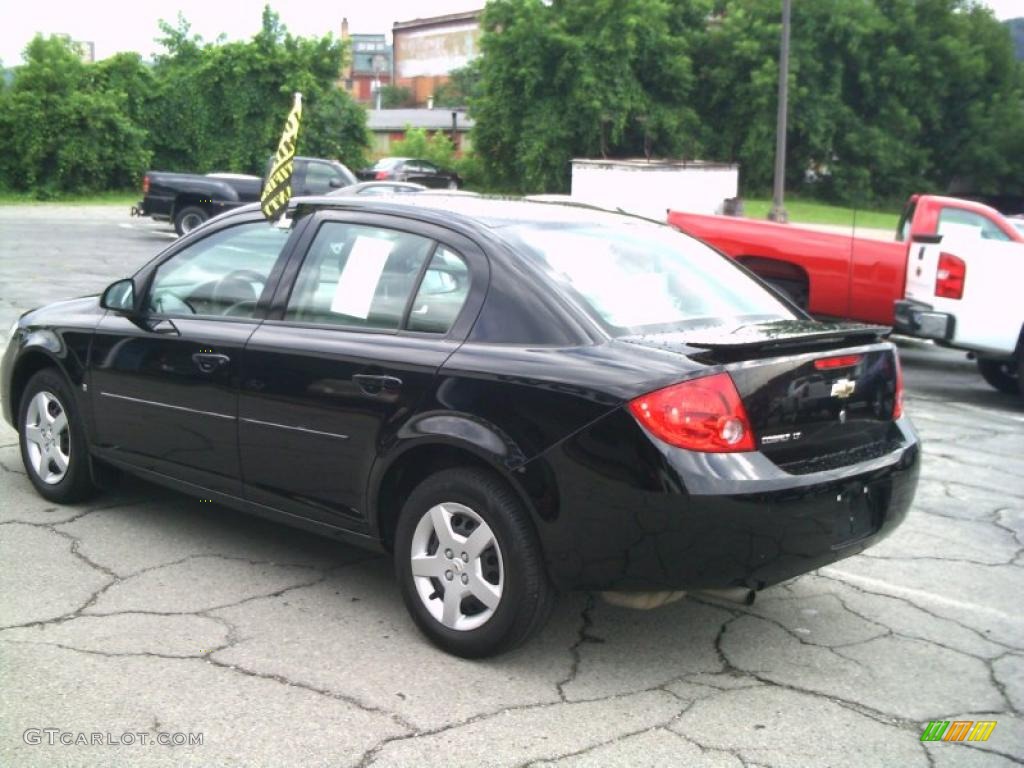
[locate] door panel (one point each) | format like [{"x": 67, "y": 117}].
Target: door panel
[
  {"x": 316, "y": 409},
  {"x": 164, "y": 401},
  {"x": 164, "y": 384}
]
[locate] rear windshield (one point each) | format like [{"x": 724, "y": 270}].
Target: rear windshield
[
  {"x": 636, "y": 277},
  {"x": 387, "y": 162}
]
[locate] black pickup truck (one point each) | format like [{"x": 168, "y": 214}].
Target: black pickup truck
[{"x": 189, "y": 199}]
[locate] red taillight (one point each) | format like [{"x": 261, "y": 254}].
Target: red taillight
[
  {"x": 700, "y": 415},
  {"x": 949, "y": 279},
  {"x": 897, "y": 405},
  {"x": 145, "y": 184},
  {"x": 381, "y": 175},
  {"x": 831, "y": 363}
]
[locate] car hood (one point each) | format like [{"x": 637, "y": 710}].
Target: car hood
[{"x": 63, "y": 312}]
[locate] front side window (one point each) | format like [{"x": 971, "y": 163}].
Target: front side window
[
  {"x": 635, "y": 277},
  {"x": 221, "y": 275},
  {"x": 358, "y": 276},
  {"x": 957, "y": 222}
]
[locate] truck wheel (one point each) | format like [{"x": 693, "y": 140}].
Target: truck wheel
[
  {"x": 188, "y": 218},
  {"x": 1001, "y": 374}
]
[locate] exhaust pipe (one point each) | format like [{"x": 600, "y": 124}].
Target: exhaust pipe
[{"x": 741, "y": 595}]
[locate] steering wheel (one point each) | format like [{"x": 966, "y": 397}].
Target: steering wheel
[{"x": 236, "y": 288}]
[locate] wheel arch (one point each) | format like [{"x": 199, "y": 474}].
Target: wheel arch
[
  {"x": 33, "y": 359},
  {"x": 392, "y": 480},
  {"x": 188, "y": 200},
  {"x": 773, "y": 269}
]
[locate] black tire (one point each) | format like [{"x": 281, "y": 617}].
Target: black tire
[
  {"x": 1002, "y": 375},
  {"x": 526, "y": 595},
  {"x": 76, "y": 483},
  {"x": 188, "y": 218}
]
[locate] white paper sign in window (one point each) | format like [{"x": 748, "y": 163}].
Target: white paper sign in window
[{"x": 358, "y": 281}]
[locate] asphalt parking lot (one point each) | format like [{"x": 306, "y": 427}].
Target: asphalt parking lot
[{"x": 146, "y": 614}]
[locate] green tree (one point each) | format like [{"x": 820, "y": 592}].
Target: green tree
[
  {"x": 435, "y": 147},
  {"x": 60, "y": 133},
  {"x": 462, "y": 86},
  {"x": 887, "y": 97},
  {"x": 222, "y": 106},
  {"x": 395, "y": 97},
  {"x": 583, "y": 77}
]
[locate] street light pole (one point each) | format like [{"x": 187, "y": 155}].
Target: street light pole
[{"x": 778, "y": 212}]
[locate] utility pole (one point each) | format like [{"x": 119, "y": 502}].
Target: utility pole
[{"x": 778, "y": 212}]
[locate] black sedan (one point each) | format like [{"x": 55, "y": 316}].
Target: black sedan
[
  {"x": 411, "y": 169},
  {"x": 513, "y": 398}
]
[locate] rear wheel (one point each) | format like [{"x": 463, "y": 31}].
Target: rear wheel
[
  {"x": 1003, "y": 375},
  {"x": 52, "y": 439},
  {"x": 469, "y": 564},
  {"x": 188, "y": 218}
]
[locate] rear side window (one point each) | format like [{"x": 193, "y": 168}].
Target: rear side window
[
  {"x": 442, "y": 293},
  {"x": 371, "y": 277},
  {"x": 958, "y": 222},
  {"x": 634, "y": 276},
  {"x": 359, "y": 276}
]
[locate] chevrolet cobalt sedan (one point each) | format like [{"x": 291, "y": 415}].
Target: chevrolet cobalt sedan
[{"x": 512, "y": 398}]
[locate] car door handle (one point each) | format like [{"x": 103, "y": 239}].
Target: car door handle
[
  {"x": 375, "y": 385},
  {"x": 208, "y": 362}
]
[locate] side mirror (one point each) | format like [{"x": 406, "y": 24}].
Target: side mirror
[
  {"x": 336, "y": 183},
  {"x": 119, "y": 296},
  {"x": 925, "y": 238}
]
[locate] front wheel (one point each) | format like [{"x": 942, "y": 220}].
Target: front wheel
[
  {"x": 469, "y": 564},
  {"x": 53, "y": 446},
  {"x": 1001, "y": 374}
]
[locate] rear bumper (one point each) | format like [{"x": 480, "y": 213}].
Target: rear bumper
[
  {"x": 915, "y": 318},
  {"x": 682, "y": 520}
]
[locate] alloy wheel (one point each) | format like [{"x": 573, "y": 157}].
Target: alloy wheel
[
  {"x": 47, "y": 436},
  {"x": 457, "y": 566}
]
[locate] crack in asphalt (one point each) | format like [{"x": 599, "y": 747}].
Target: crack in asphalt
[
  {"x": 588, "y": 617},
  {"x": 586, "y": 622}
]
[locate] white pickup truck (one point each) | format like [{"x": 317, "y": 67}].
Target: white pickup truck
[{"x": 965, "y": 289}]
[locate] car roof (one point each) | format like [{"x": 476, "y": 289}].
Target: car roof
[{"x": 474, "y": 211}]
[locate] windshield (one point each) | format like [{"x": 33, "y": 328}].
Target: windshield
[{"x": 639, "y": 277}]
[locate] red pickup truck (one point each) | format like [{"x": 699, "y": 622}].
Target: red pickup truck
[{"x": 839, "y": 275}]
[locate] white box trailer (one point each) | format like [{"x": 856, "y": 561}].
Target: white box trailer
[{"x": 651, "y": 187}]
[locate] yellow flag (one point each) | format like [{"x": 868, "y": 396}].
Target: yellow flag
[{"x": 277, "y": 189}]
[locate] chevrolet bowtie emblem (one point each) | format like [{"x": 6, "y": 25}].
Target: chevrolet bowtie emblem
[{"x": 843, "y": 388}]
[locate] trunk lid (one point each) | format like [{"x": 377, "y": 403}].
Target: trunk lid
[{"x": 817, "y": 395}]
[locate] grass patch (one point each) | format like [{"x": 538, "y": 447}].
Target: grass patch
[
  {"x": 812, "y": 212},
  {"x": 121, "y": 197}
]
